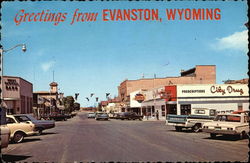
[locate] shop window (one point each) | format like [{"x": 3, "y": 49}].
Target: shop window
[
  {"x": 148, "y": 111},
  {"x": 163, "y": 110},
  {"x": 240, "y": 106},
  {"x": 172, "y": 109},
  {"x": 212, "y": 112},
  {"x": 153, "y": 109},
  {"x": 185, "y": 109}
]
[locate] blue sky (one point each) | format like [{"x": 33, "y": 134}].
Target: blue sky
[{"x": 95, "y": 57}]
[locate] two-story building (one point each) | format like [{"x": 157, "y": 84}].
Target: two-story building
[{"x": 17, "y": 95}]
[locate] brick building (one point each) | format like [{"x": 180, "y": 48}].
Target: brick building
[
  {"x": 200, "y": 74},
  {"x": 17, "y": 95}
]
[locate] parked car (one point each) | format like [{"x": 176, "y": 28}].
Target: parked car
[
  {"x": 4, "y": 130},
  {"x": 73, "y": 113},
  {"x": 129, "y": 116},
  {"x": 40, "y": 125},
  {"x": 18, "y": 130},
  {"x": 68, "y": 115},
  {"x": 228, "y": 124},
  {"x": 101, "y": 116},
  {"x": 55, "y": 116},
  {"x": 91, "y": 115},
  {"x": 112, "y": 115},
  {"x": 115, "y": 115}
]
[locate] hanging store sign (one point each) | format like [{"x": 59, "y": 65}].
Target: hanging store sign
[{"x": 139, "y": 97}]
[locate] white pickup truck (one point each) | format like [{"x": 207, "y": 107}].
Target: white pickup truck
[
  {"x": 194, "y": 121},
  {"x": 228, "y": 124}
]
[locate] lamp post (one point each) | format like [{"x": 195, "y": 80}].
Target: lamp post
[{"x": 2, "y": 51}]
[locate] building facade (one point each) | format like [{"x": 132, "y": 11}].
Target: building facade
[
  {"x": 46, "y": 102},
  {"x": 200, "y": 74},
  {"x": 17, "y": 95},
  {"x": 180, "y": 99},
  {"x": 222, "y": 97}
]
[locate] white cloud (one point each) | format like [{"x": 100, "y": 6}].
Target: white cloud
[
  {"x": 47, "y": 65},
  {"x": 237, "y": 41}
]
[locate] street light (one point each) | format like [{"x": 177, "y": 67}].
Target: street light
[{"x": 2, "y": 51}]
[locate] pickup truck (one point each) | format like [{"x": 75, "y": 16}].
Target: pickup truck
[
  {"x": 194, "y": 121},
  {"x": 228, "y": 124}
]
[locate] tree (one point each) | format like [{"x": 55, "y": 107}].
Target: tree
[
  {"x": 68, "y": 103},
  {"x": 76, "y": 106}
]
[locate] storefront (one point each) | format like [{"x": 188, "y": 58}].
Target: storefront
[
  {"x": 17, "y": 94},
  {"x": 154, "y": 104},
  {"x": 225, "y": 98}
]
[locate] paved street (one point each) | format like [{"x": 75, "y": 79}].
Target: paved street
[{"x": 82, "y": 139}]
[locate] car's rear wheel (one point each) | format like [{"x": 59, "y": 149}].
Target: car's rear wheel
[{"x": 18, "y": 137}]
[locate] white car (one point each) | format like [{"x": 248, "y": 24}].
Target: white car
[
  {"x": 228, "y": 124},
  {"x": 18, "y": 130},
  {"x": 91, "y": 115}
]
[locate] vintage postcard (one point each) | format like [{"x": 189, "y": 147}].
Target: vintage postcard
[{"x": 124, "y": 81}]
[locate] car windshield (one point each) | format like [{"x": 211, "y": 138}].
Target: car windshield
[{"x": 228, "y": 118}]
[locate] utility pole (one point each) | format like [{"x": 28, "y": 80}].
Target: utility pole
[{"x": 2, "y": 51}]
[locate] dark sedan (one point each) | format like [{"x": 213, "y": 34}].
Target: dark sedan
[
  {"x": 129, "y": 116},
  {"x": 56, "y": 117}
]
